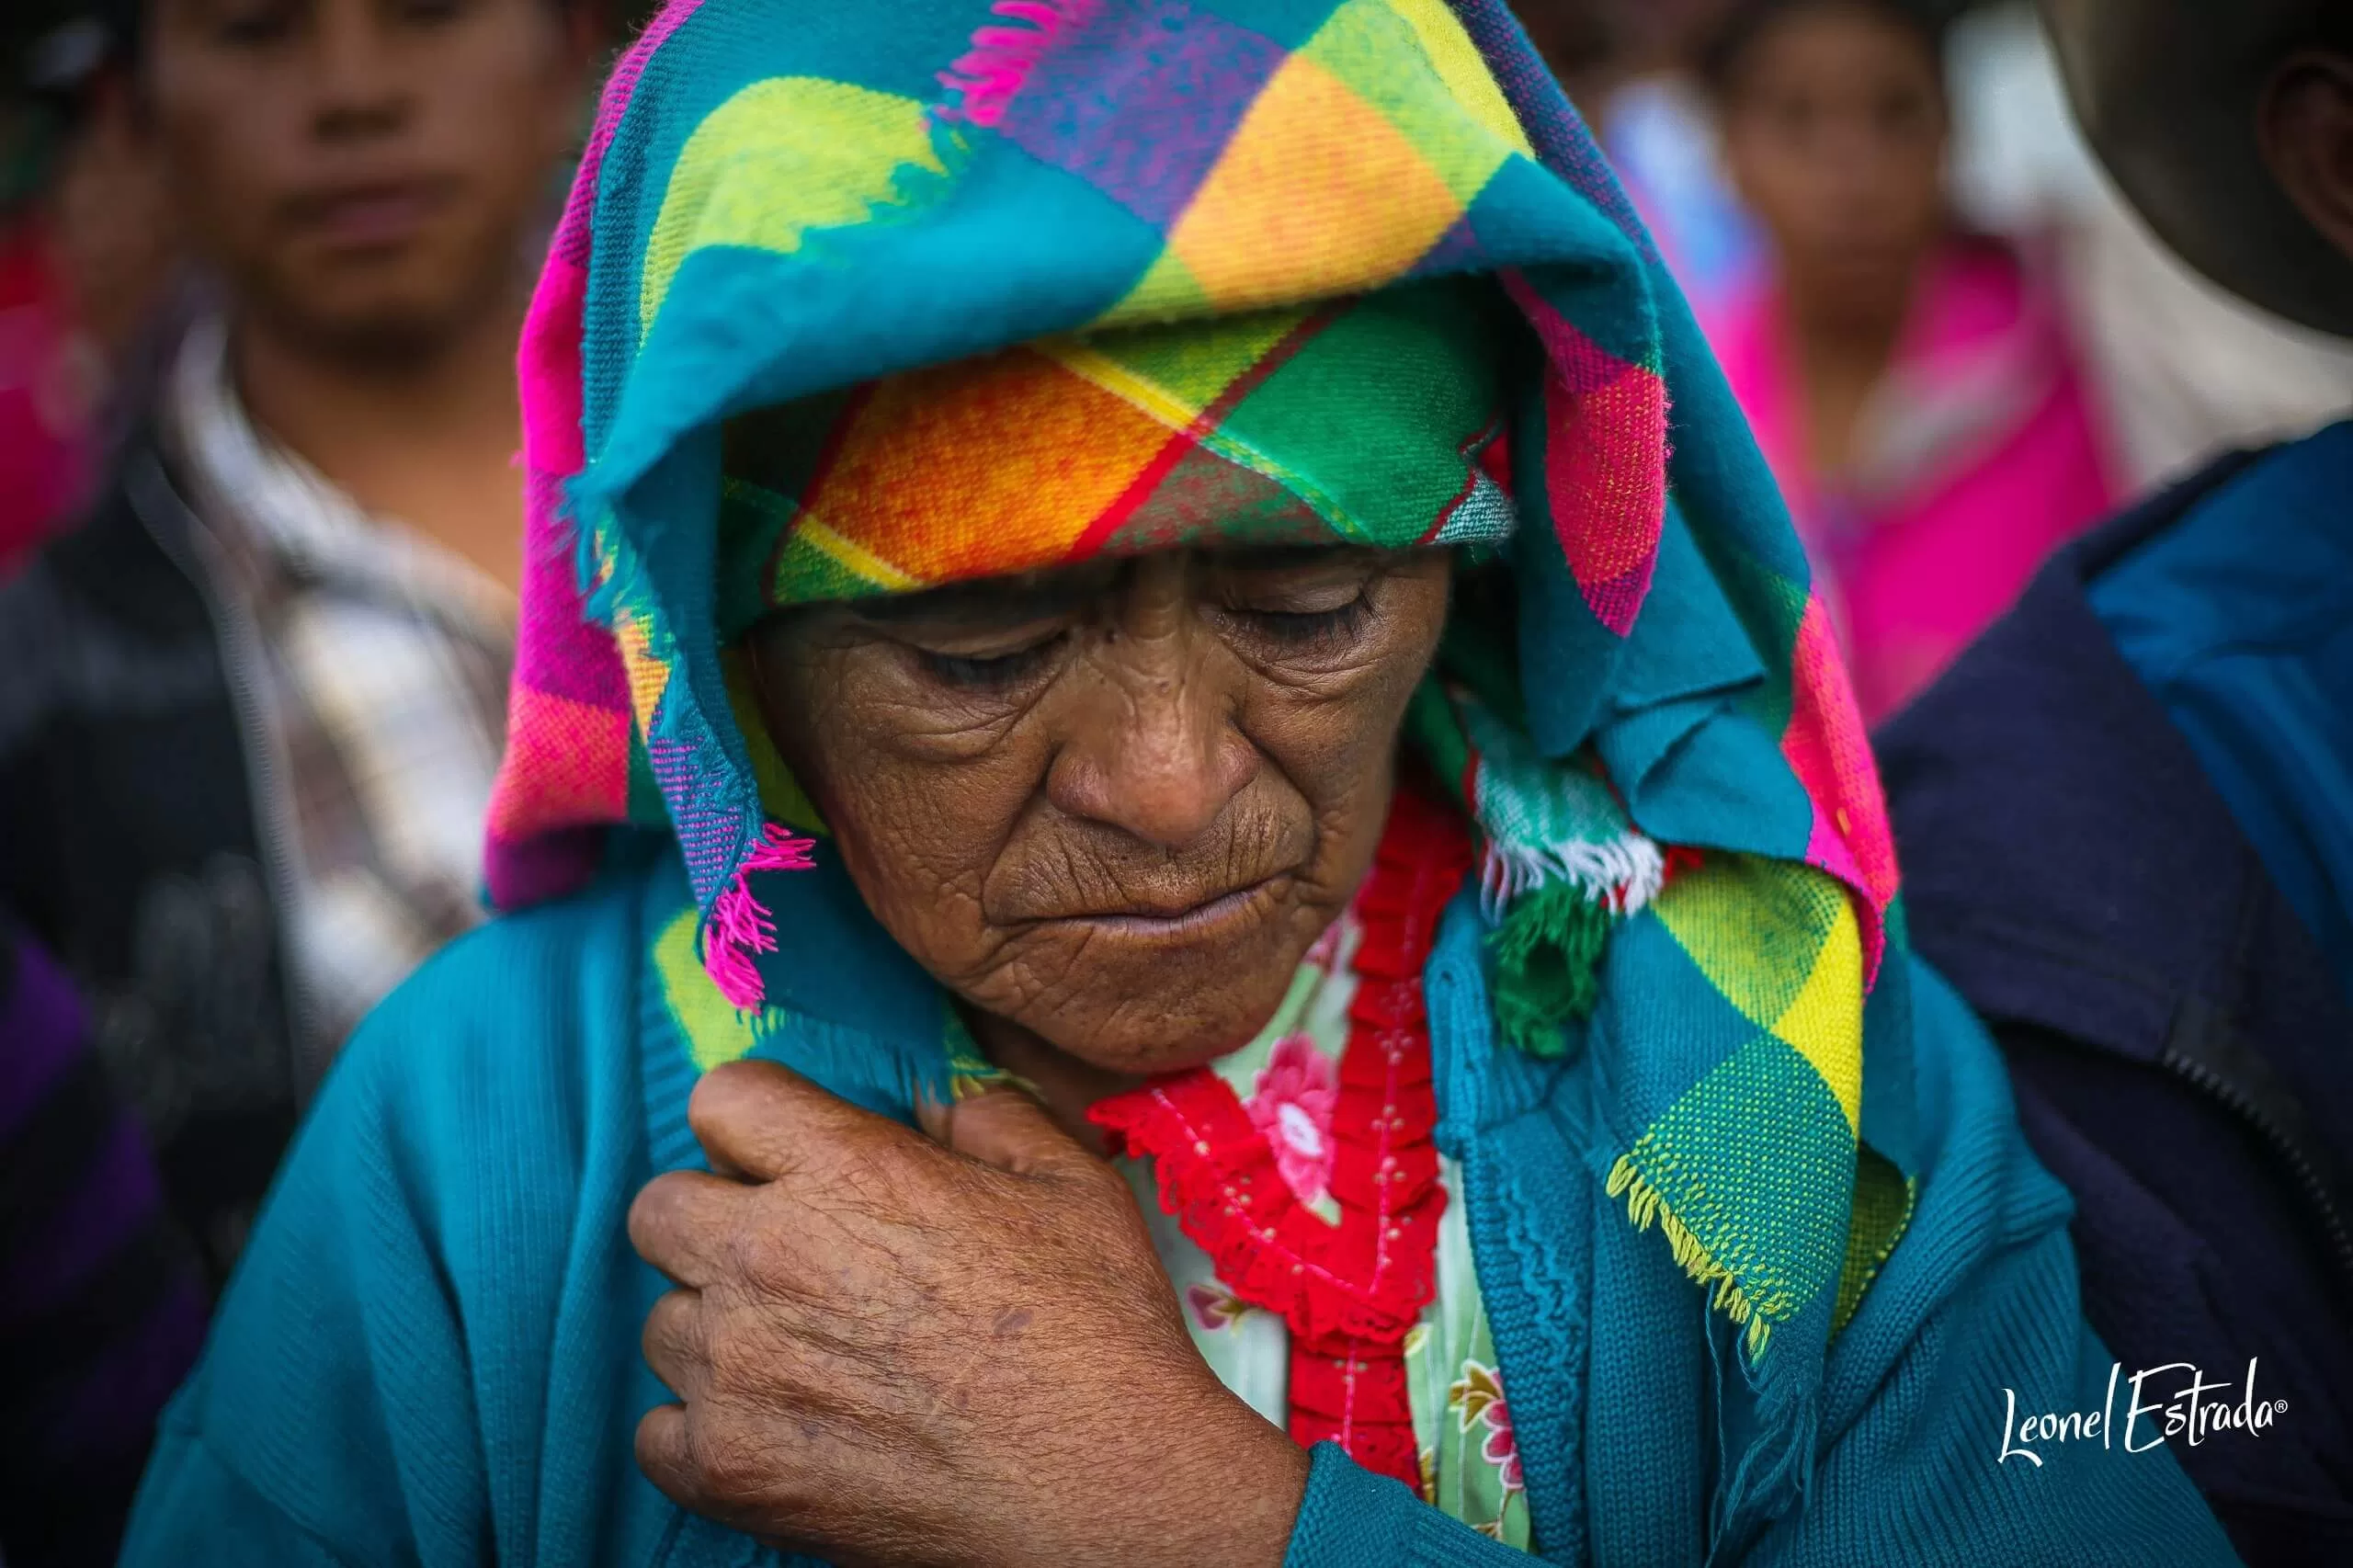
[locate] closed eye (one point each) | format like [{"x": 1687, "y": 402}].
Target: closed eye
[
  {"x": 987, "y": 671},
  {"x": 1310, "y": 629}
]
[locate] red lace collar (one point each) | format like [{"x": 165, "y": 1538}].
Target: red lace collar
[{"x": 1349, "y": 1290}]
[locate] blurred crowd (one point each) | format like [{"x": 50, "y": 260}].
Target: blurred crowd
[
  {"x": 263, "y": 265},
  {"x": 1956, "y": 342}
]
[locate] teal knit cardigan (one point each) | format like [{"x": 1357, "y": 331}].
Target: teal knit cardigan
[{"x": 429, "y": 1354}]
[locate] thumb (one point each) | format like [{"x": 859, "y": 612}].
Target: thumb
[{"x": 1007, "y": 1128}]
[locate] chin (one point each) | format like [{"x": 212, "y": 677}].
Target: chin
[
  {"x": 1165, "y": 1022},
  {"x": 1137, "y": 996},
  {"x": 403, "y": 307},
  {"x": 1149, "y": 1055},
  {"x": 389, "y": 333}
]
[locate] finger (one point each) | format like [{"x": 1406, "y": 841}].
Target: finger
[
  {"x": 763, "y": 1122},
  {"x": 1007, "y": 1128},
  {"x": 681, "y": 1223},
  {"x": 935, "y": 1108},
  {"x": 686, "y": 1469},
  {"x": 677, "y": 1342},
  {"x": 933, "y": 1115},
  {"x": 666, "y": 1453}
]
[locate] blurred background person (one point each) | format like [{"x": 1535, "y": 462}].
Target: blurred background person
[
  {"x": 254, "y": 702},
  {"x": 1632, "y": 68},
  {"x": 2164, "y": 368},
  {"x": 1913, "y": 384},
  {"x": 45, "y": 398},
  {"x": 101, "y": 1305},
  {"x": 2126, "y": 815},
  {"x": 84, "y": 253},
  {"x": 2182, "y": 369}
]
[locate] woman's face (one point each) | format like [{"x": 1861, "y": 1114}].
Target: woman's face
[
  {"x": 1113, "y": 804},
  {"x": 1834, "y": 129}
]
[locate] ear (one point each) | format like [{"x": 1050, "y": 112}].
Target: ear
[
  {"x": 589, "y": 32},
  {"x": 2304, "y": 124},
  {"x": 582, "y": 36}
]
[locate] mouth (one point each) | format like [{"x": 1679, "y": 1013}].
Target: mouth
[
  {"x": 377, "y": 215},
  {"x": 1219, "y": 916}
]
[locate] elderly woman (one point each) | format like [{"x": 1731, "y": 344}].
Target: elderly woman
[{"x": 1123, "y": 623}]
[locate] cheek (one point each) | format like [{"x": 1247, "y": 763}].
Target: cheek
[
  {"x": 919, "y": 841},
  {"x": 1923, "y": 169},
  {"x": 513, "y": 97},
  {"x": 1773, "y": 178},
  {"x": 220, "y": 137},
  {"x": 1339, "y": 749},
  {"x": 917, "y": 834},
  {"x": 1330, "y": 749}
]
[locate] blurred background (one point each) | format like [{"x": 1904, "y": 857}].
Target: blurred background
[{"x": 1956, "y": 342}]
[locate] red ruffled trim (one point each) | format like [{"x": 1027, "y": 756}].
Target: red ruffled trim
[{"x": 1349, "y": 1292}]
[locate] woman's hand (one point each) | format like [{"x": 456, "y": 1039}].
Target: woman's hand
[{"x": 888, "y": 1351}]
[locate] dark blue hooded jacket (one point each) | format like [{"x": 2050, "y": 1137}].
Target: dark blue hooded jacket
[{"x": 2183, "y": 1056}]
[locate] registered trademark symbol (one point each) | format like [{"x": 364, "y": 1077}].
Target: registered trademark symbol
[{"x": 2277, "y": 1405}]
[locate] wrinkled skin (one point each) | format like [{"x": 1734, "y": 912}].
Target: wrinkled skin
[
  {"x": 889, "y": 1351},
  {"x": 1110, "y": 809},
  {"x": 1113, "y": 806}
]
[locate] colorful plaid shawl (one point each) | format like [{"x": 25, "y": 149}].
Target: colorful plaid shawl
[
  {"x": 1357, "y": 420},
  {"x": 783, "y": 203}
]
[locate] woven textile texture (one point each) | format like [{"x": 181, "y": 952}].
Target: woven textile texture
[
  {"x": 1158, "y": 210},
  {"x": 1358, "y": 421}
]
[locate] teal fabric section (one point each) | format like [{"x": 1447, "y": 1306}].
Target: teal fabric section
[
  {"x": 714, "y": 54},
  {"x": 1353, "y": 1518},
  {"x": 1705, "y": 1029},
  {"x": 2240, "y": 619},
  {"x": 422, "y": 1357},
  {"x": 429, "y": 1355}
]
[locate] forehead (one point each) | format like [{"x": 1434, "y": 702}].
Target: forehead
[
  {"x": 1065, "y": 587},
  {"x": 1831, "y": 45}
]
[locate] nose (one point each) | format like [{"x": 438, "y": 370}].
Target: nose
[
  {"x": 1163, "y": 775},
  {"x": 1156, "y": 754},
  {"x": 359, "y": 86}
]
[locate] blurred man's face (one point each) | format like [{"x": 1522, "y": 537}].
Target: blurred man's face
[
  {"x": 1835, "y": 131},
  {"x": 361, "y": 170}
]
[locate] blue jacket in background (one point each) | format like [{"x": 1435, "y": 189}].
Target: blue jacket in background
[{"x": 2181, "y": 1050}]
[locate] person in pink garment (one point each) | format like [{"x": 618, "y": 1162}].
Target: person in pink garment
[
  {"x": 44, "y": 397},
  {"x": 1913, "y": 386}
]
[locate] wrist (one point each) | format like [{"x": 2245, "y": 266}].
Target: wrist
[{"x": 1232, "y": 1501}]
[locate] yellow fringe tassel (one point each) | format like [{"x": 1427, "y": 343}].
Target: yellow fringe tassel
[{"x": 1645, "y": 1208}]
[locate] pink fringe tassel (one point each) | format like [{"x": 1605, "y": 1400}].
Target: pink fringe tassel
[
  {"x": 740, "y": 927},
  {"x": 1002, "y": 58}
]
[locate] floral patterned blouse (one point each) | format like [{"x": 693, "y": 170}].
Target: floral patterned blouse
[{"x": 1287, "y": 1079}]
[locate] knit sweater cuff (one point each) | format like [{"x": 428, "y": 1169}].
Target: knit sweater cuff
[{"x": 1353, "y": 1518}]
